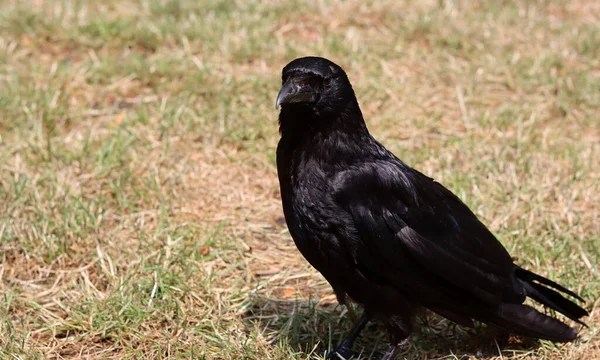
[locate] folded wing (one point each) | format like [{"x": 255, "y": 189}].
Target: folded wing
[{"x": 417, "y": 236}]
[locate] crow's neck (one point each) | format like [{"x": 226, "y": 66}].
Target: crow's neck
[{"x": 328, "y": 135}]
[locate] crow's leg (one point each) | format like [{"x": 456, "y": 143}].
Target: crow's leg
[
  {"x": 344, "y": 350},
  {"x": 394, "y": 350}
]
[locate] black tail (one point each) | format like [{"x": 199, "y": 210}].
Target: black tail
[
  {"x": 549, "y": 297},
  {"x": 527, "y": 321}
]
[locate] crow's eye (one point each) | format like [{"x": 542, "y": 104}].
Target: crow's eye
[
  {"x": 327, "y": 81},
  {"x": 306, "y": 83}
]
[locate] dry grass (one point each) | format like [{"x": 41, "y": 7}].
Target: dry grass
[{"x": 140, "y": 213}]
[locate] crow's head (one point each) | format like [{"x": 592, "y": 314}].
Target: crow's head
[{"x": 315, "y": 83}]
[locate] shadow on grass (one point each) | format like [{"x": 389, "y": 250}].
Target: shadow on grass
[{"x": 310, "y": 329}]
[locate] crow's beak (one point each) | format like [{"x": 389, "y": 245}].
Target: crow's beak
[
  {"x": 286, "y": 90},
  {"x": 292, "y": 92}
]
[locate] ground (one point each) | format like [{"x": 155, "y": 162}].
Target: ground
[{"x": 139, "y": 206}]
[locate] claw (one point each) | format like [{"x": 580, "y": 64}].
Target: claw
[
  {"x": 394, "y": 350},
  {"x": 342, "y": 352}
]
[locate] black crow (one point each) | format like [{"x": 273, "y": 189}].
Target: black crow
[{"x": 384, "y": 235}]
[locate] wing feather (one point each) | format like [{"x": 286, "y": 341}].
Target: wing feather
[{"x": 436, "y": 246}]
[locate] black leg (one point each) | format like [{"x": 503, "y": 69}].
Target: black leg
[
  {"x": 358, "y": 327},
  {"x": 344, "y": 350}
]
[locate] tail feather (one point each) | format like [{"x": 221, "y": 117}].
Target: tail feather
[
  {"x": 530, "y": 277},
  {"x": 555, "y": 301},
  {"x": 524, "y": 320},
  {"x": 549, "y": 297},
  {"x": 527, "y": 321}
]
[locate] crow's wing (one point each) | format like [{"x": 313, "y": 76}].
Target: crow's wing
[{"x": 415, "y": 234}]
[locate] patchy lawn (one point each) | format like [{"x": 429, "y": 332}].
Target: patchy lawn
[{"x": 139, "y": 205}]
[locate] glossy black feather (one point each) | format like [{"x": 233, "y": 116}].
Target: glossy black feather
[{"x": 386, "y": 236}]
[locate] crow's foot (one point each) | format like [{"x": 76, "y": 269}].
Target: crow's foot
[
  {"x": 342, "y": 352},
  {"x": 395, "y": 350}
]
